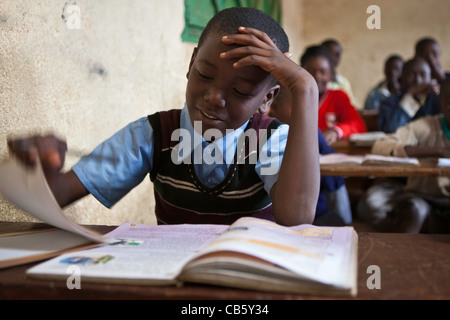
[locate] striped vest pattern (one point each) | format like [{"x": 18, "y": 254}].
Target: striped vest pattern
[{"x": 180, "y": 197}]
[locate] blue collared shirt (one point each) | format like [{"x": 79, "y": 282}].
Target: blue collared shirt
[{"x": 122, "y": 162}]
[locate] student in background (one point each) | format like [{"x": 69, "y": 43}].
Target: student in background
[
  {"x": 333, "y": 206},
  {"x": 228, "y": 89},
  {"x": 418, "y": 97},
  {"x": 338, "y": 118},
  {"x": 423, "y": 205},
  {"x": 428, "y": 49},
  {"x": 337, "y": 81},
  {"x": 389, "y": 86}
]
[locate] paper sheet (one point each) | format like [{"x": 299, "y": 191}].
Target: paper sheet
[{"x": 28, "y": 190}]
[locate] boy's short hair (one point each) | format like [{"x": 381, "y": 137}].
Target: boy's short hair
[
  {"x": 316, "y": 51},
  {"x": 330, "y": 42},
  {"x": 393, "y": 57},
  {"x": 408, "y": 64},
  {"x": 229, "y": 20},
  {"x": 422, "y": 43}
]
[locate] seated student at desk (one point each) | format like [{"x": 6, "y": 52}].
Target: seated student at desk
[
  {"x": 418, "y": 98},
  {"x": 226, "y": 91},
  {"x": 338, "y": 118},
  {"x": 389, "y": 86},
  {"x": 333, "y": 206},
  {"x": 423, "y": 205}
]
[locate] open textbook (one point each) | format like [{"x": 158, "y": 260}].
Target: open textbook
[
  {"x": 368, "y": 160},
  {"x": 27, "y": 189},
  {"x": 250, "y": 254}
]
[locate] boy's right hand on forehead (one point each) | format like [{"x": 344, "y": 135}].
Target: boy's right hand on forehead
[
  {"x": 48, "y": 149},
  {"x": 257, "y": 49}
]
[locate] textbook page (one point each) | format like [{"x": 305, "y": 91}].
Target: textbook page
[
  {"x": 28, "y": 190},
  {"x": 140, "y": 254},
  {"x": 322, "y": 254}
]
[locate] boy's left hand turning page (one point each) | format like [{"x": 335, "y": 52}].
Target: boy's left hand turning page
[{"x": 28, "y": 190}]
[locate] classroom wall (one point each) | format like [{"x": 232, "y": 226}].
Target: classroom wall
[{"x": 128, "y": 61}]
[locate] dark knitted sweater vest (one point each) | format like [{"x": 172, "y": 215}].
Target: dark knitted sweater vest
[{"x": 180, "y": 197}]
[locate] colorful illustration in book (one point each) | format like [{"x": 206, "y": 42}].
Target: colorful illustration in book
[{"x": 86, "y": 260}]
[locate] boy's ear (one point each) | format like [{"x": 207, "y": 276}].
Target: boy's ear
[
  {"x": 269, "y": 98},
  {"x": 194, "y": 55}
]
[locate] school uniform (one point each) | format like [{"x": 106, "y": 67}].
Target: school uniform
[
  {"x": 398, "y": 111},
  {"x": 376, "y": 96},
  {"x": 427, "y": 132},
  {"x": 429, "y": 196},
  {"x": 189, "y": 191},
  {"x": 347, "y": 120},
  {"x": 333, "y": 206},
  {"x": 342, "y": 83}
]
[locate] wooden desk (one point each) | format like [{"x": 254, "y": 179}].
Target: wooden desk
[
  {"x": 412, "y": 267},
  {"x": 345, "y": 146},
  {"x": 357, "y": 170},
  {"x": 370, "y": 118}
]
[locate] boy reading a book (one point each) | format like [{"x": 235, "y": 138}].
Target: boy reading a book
[
  {"x": 234, "y": 75},
  {"x": 423, "y": 205}
]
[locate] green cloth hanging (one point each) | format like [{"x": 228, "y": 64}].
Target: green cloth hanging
[{"x": 199, "y": 12}]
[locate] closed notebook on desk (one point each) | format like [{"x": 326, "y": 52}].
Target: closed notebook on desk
[{"x": 250, "y": 254}]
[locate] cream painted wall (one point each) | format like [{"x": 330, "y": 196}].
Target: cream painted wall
[
  {"x": 125, "y": 62},
  {"x": 403, "y": 22}
]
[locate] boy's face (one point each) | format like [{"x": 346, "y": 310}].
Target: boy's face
[
  {"x": 431, "y": 52},
  {"x": 393, "y": 71},
  {"x": 416, "y": 74},
  {"x": 221, "y": 96},
  {"x": 319, "y": 68}
]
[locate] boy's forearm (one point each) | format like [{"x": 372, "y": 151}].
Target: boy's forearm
[
  {"x": 296, "y": 192},
  {"x": 66, "y": 188}
]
